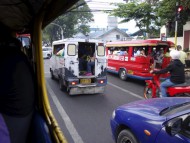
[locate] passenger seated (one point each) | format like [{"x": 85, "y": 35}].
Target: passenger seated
[
  {"x": 90, "y": 63},
  {"x": 60, "y": 52},
  {"x": 17, "y": 88},
  {"x": 83, "y": 56},
  {"x": 142, "y": 53},
  {"x": 122, "y": 52},
  {"x": 126, "y": 52},
  {"x": 159, "y": 59},
  {"x": 136, "y": 52}
]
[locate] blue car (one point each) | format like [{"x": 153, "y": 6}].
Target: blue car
[{"x": 158, "y": 120}]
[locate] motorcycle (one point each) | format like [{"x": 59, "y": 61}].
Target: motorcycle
[{"x": 152, "y": 88}]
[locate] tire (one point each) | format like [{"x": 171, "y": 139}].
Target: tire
[
  {"x": 68, "y": 91},
  {"x": 61, "y": 86},
  {"x": 126, "y": 136},
  {"x": 148, "y": 92},
  {"x": 52, "y": 76},
  {"x": 49, "y": 56},
  {"x": 123, "y": 74}
]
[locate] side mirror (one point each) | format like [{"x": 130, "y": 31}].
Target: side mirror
[
  {"x": 174, "y": 126},
  {"x": 25, "y": 41}
]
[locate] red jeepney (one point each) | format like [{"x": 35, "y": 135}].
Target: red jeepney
[{"x": 135, "y": 59}]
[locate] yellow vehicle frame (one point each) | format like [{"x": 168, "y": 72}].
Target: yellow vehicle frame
[{"x": 37, "y": 15}]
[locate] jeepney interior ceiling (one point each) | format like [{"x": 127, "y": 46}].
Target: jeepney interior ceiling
[{"x": 19, "y": 14}]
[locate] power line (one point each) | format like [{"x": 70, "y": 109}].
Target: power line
[
  {"x": 98, "y": 2},
  {"x": 94, "y": 10}
]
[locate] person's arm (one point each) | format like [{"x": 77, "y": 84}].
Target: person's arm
[
  {"x": 59, "y": 53},
  {"x": 138, "y": 52},
  {"x": 185, "y": 56},
  {"x": 165, "y": 70},
  {"x": 93, "y": 58}
]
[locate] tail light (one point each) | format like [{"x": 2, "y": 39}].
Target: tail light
[
  {"x": 73, "y": 83},
  {"x": 101, "y": 81}
]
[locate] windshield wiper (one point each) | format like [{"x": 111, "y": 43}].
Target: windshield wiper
[{"x": 166, "y": 110}]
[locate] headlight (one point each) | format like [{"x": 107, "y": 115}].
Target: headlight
[{"x": 113, "y": 114}]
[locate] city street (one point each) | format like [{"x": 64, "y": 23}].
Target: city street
[{"x": 86, "y": 118}]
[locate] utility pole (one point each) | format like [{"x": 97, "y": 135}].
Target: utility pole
[
  {"x": 179, "y": 8},
  {"x": 62, "y": 37},
  {"x": 176, "y": 24}
]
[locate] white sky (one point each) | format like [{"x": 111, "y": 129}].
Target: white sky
[{"x": 100, "y": 18}]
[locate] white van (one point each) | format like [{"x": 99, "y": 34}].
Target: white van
[
  {"x": 47, "y": 52},
  {"x": 70, "y": 65}
]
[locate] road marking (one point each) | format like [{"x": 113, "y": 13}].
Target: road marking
[
  {"x": 127, "y": 91},
  {"x": 70, "y": 127}
]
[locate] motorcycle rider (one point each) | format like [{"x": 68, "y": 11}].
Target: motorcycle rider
[{"x": 176, "y": 70}]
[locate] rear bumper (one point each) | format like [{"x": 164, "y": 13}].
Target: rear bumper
[{"x": 87, "y": 90}]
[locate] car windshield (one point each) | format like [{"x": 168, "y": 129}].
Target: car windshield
[{"x": 175, "y": 108}]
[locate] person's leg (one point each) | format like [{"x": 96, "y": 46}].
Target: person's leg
[
  {"x": 92, "y": 67},
  {"x": 164, "y": 85},
  {"x": 18, "y": 127},
  {"x": 89, "y": 66},
  {"x": 4, "y": 133}
]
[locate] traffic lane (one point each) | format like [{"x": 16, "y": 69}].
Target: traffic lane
[
  {"x": 133, "y": 85},
  {"x": 90, "y": 114},
  {"x": 46, "y": 65},
  {"x": 54, "y": 108},
  {"x": 87, "y": 114}
]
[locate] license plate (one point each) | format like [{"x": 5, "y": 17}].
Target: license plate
[
  {"x": 130, "y": 72},
  {"x": 85, "y": 81}
]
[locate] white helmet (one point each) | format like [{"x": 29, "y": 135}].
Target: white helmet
[{"x": 174, "y": 54}]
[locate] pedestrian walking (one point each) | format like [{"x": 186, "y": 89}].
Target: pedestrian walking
[{"x": 183, "y": 55}]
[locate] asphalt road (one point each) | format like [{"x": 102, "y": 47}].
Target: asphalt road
[{"x": 86, "y": 118}]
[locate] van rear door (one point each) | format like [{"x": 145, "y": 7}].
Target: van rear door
[
  {"x": 100, "y": 62},
  {"x": 71, "y": 58}
]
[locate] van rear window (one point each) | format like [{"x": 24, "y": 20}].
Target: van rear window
[
  {"x": 71, "y": 50},
  {"x": 101, "y": 51}
]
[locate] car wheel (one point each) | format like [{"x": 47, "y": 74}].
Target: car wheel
[
  {"x": 126, "y": 136},
  {"x": 52, "y": 76},
  {"x": 49, "y": 56},
  {"x": 69, "y": 91},
  {"x": 61, "y": 86},
  {"x": 123, "y": 74}
]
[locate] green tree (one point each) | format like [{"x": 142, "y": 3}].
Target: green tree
[
  {"x": 73, "y": 21},
  {"x": 152, "y": 14},
  {"x": 142, "y": 13},
  {"x": 153, "y": 2},
  {"x": 166, "y": 11},
  {"x": 185, "y": 4}
]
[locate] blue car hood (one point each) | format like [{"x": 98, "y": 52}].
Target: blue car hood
[{"x": 153, "y": 106}]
